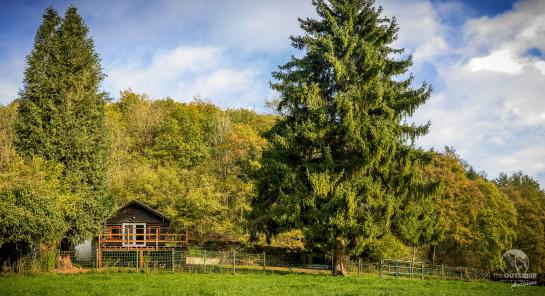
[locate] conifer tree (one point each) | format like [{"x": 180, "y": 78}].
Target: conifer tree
[
  {"x": 62, "y": 116},
  {"x": 340, "y": 161},
  {"x": 38, "y": 114}
]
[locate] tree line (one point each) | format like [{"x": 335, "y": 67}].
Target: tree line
[{"x": 335, "y": 171}]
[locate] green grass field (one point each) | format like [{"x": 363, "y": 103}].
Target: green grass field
[{"x": 244, "y": 284}]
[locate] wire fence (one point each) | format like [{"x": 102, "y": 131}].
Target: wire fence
[
  {"x": 243, "y": 262},
  {"x": 420, "y": 269}
]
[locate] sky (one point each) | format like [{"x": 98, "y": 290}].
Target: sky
[{"x": 484, "y": 59}]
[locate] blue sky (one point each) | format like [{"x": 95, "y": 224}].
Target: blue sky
[{"x": 485, "y": 60}]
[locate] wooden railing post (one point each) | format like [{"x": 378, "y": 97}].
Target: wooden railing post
[{"x": 157, "y": 238}]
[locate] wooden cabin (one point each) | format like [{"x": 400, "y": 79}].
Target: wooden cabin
[{"x": 137, "y": 226}]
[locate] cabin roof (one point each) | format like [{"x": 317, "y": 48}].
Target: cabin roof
[{"x": 136, "y": 211}]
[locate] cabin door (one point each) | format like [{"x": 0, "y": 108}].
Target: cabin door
[{"x": 134, "y": 234}]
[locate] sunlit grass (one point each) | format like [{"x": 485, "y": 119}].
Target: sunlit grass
[{"x": 157, "y": 283}]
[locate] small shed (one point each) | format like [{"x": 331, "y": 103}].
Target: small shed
[{"x": 136, "y": 225}]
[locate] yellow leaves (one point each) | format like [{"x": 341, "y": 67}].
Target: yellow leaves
[{"x": 293, "y": 240}]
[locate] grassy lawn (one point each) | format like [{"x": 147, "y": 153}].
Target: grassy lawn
[{"x": 133, "y": 284}]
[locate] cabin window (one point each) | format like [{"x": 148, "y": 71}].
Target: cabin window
[{"x": 134, "y": 234}]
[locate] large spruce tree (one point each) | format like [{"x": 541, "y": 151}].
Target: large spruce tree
[
  {"x": 340, "y": 161},
  {"x": 62, "y": 116}
]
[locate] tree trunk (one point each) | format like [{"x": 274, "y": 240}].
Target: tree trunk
[
  {"x": 65, "y": 262},
  {"x": 65, "y": 244},
  {"x": 431, "y": 255},
  {"x": 338, "y": 258}
]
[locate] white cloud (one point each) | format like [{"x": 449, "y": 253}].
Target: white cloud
[
  {"x": 490, "y": 104},
  {"x": 499, "y": 61},
  {"x": 528, "y": 159},
  {"x": 540, "y": 65},
  {"x": 185, "y": 72},
  {"x": 421, "y": 31}
]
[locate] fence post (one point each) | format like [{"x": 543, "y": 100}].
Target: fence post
[
  {"x": 264, "y": 262},
  {"x": 137, "y": 261},
  {"x": 234, "y": 259},
  {"x": 58, "y": 258},
  {"x": 422, "y": 271},
  {"x": 381, "y": 268},
  {"x": 172, "y": 260},
  {"x": 442, "y": 271},
  {"x": 397, "y": 268},
  {"x": 204, "y": 260},
  {"x": 222, "y": 260},
  {"x": 359, "y": 266}
]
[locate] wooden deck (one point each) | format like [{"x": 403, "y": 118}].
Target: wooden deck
[{"x": 151, "y": 238}]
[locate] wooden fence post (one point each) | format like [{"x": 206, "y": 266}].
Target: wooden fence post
[
  {"x": 381, "y": 268},
  {"x": 422, "y": 271},
  {"x": 204, "y": 260},
  {"x": 172, "y": 261},
  {"x": 234, "y": 259},
  {"x": 99, "y": 252},
  {"x": 264, "y": 262},
  {"x": 359, "y": 266}
]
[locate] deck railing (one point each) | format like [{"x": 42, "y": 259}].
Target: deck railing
[{"x": 148, "y": 238}]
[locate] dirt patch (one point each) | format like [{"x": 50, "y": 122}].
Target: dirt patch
[{"x": 66, "y": 266}]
